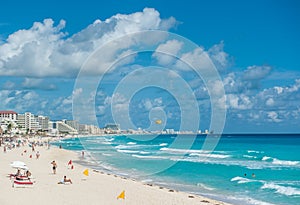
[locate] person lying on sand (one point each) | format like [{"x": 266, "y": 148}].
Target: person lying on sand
[{"x": 65, "y": 180}]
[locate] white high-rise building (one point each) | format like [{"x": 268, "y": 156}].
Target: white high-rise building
[
  {"x": 60, "y": 127},
  {"x": 27, "y": 121},
  {"x": 73, "y": 123},
  {"x": 43, "y": 122}
]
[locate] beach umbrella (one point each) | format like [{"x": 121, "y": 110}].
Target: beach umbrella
[
  {"x": 19, "y": 165},
  {"x": 23, "y": 167}
]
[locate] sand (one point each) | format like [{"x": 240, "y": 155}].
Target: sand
[{"x": 97, "y": 188}]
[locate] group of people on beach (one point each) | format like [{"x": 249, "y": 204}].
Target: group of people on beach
[
  {"x": 27, "y": 174},
  {"x": 65, "y": 179}
]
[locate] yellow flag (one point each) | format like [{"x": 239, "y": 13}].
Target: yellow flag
[
  {"x": 86, "y": 172},
  {"x": 122, "y": 195}
]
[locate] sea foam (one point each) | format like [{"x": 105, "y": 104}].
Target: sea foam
[
  {"x": 285, "y": 190},
  {"x": 242, "y": 180}
]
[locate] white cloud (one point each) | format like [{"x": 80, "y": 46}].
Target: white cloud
[
  {"x": 270, "y": 102},
  {"x": 256, "y": 72},
  {"x": 164, "y": 52},
  {"x": 150, "y": 104},
  {"x": 101, "y": 110},
  {"x": 45, "y": 50},
  {"x": 239, "y": 102},
  {"x": 218, "y": 56},
  {"x": 273, "y": 117},
  {"x": 147, "y": 104},
  {"x": 77, "y": 92},
  {"x": 19, "y": 100},
  {"x": 193, "y": 58}
]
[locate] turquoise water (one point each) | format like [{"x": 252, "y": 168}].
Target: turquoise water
[{"x": 242, "y": 169}]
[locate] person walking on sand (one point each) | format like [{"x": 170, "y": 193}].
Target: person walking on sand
[
  {"x": 37, "y": 155},
  {"x": 54, "y": 166}
]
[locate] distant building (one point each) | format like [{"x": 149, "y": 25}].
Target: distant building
[
  {"x": 28, "y": 121},
  {"x": 92, "y": 129},
  {"x": 43, "y": 122},
  {"x": 8, "y": 121},
  {"x": 111, "y": 128},
  {"x": 8, "y": 115},
  {"x": 170, "y": 131},
  {"x": 73, "y": 123},
  {"x": 83, "y": 129},
  {"x": 60, "y": 127}
]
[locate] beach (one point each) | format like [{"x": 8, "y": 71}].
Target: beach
[{"x": 96, "y": 188}]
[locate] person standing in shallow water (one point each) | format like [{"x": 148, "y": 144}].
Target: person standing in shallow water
[{"x": 54, "y": 166}]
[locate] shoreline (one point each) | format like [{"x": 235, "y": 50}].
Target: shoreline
[
  {"x": 97, "y": 188},
  {"x": 81, "y": 161},
  {"x": 98, "y": 168}
]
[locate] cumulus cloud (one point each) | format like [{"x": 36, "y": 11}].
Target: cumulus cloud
[
  {"x": 247, "y": 80},
  {"x": 273, "y": 116},
  {"x": 28, "y": 52},
  {"x": 276, "y": 104},
  {"x": 270, "y": 102},
  {"x": 239, "y": 102},
  {"x": 219, "y": 56},
  {"x": 30, "y": 101},
  {"x": 164, "y": 52},
  {"x": 256, "y": 72},
  {"x": 46, "y": 50},
  {"x": 19, "y": 100}
]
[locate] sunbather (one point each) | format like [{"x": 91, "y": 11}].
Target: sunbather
[{"x": 67, "y": 180}]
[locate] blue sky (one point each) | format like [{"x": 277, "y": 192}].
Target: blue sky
[{"x": 253, "y": 44}]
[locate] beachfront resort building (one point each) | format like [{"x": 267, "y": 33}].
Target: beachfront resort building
[
  {"x": 90, "y": 129},
  {"x": 27, "y": 122},
  {"x": 43, "y": 122},
  {"x": 72, "y": 123},
  {"x": 8, "y": 115},
  {"x": 60, "y": 127},
  {"x": 8, "y": 121},
  {"x": 112, "y": 128}
]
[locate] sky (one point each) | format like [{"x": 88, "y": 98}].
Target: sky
[{"x": 83, "y": 60}]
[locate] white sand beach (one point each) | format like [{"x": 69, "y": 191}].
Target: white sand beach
[{"x": 97, "y": 188}]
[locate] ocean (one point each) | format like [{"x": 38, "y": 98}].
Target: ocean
[{"x": 237, "y": 168}]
